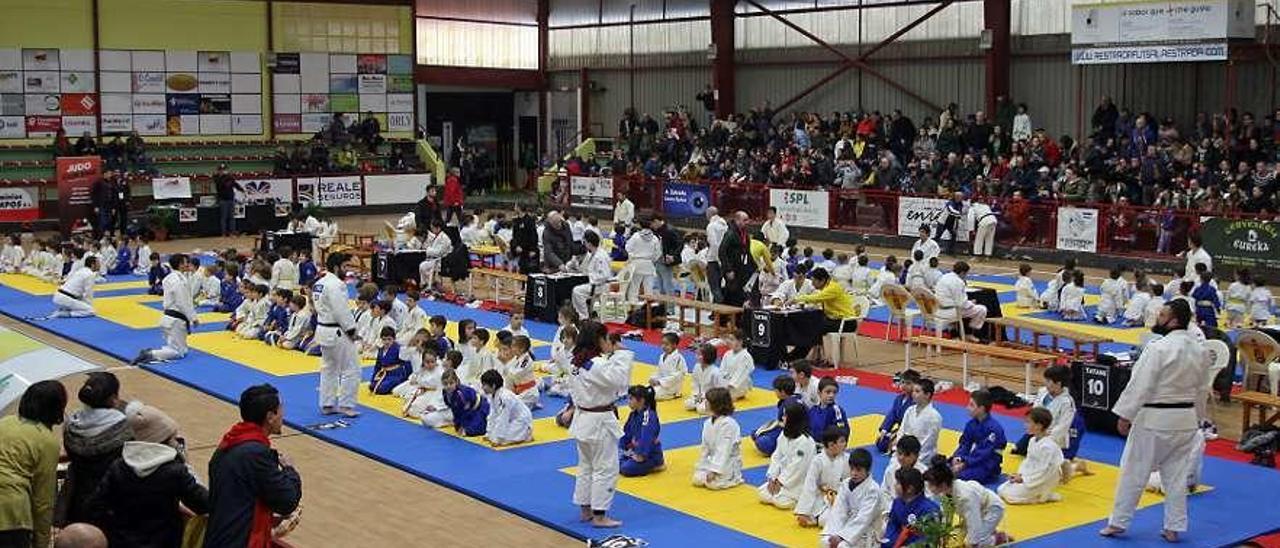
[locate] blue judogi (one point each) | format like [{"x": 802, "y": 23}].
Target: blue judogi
[
  {"x": 1208, "y": 303},
  {"x": 893, "y": 419},
  {"x": 470, "y": 411},
  {"x": 1076, "y": 434},
  {"x": 277, "y": 320},
  {"x": 229, "y": 297},
  {"x": 124, "y": 262},
  {"x": 443, "y": 345},
  {"x": 389, "y": 370},
  {"x": 640, "y": 436},
  {"x": 766, "y": 436},
  {"x": 980, "y": 450},
  {"x": 307, "y": 272},
  {"x": 155, "y": 277},
  {"x": 823, "y": 416},
  {"x": 902, "y": 514}
]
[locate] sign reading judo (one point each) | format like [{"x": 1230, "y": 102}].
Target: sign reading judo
[
  {"x": 1078, "y": 229},
  {"x": 801, "y": 207},
  {"x": 685, "y": 200},
  {"x": 340, "y": 192},
  {"x": 1242, "y": 243},
  {"x": 913, "y": 212},
  {"x": 591, "y": 192}
]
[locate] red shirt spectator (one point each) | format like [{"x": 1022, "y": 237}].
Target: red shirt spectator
[{"x": 452, "y": 190}]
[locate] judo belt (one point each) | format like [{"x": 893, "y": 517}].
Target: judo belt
[
  {"x": 323, "y": 324},
  {"x": 180, "y": 316},
  {"x": 602, "y": 409},
  {"x": 520, "y": 388},
  {"x": 69, "y": 294},
  {"x": 1178, "y": 405}
]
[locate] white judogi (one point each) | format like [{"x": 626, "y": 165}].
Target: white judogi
[
  {"x": 737, "y": 365},
  {"x": 599, "y": 271},
  {"x": 1260, "y": 304},
  {"x": 1071, "y": 302},
  {"x": 518, "y": 374},
  {"x": 422, "y": 392},
  {"x": 954, "y": 303},
  {"x": 475, "y": 365},
  {"x": 559, "y": 369},
  {"x": 414, "y": 319},
  {"x": 889, "y": 482},
  {"x": 720, "y": 454},
  {"x": 704, "y": 379},
  {"x": 669, "y": 378},
  {"x": 177, "y": 298},
  {"x": 1026, "y": 291},
  {"x": 1152, "y": 311},
  {"x": 884, "y": 278},
  {"x": 1041, "y": 472},
  {"x": 1199, "y": 255},
  {"x": 509, "y": 421},
  {"x": 924, "y": 423},
  {"x": 1063, "y": 410},
  {"x": 339, "y": 362},
  {"x": 821, "y": 483},
  {"x": 1135, "y": 309},
  {"x": 980, "y": 509},
  {"x": 1237, "y": 304},
  {"x": 1113, "y": 292},
  {"x": 984, "y": 222},
  {"x": 624, "y": 212},
  {"x": 210, "y": 293},
  {"x": 857, "y": 517},
  {"x": 775, "y": 232},
  {"x": 144, "y": 261},
  {"x": 788, "y": 464},
  {"x": 808, "y": 394},
  {"x": 860, "y": 280},
  {"x": 928, "y": 247},
  {"x": 1171, "y": 370},
  {"x": 74, "y": 298},
  {"x": 595, "y": 427},
  {"x": 298, "y": 323},
  {"x": 787, "y": 290},
  {"x": 1049, "y": 297},
  {"x": 1194, "y": 470},
  {"x": 436, "y": 248},
  {"x": 643, "y": 248},
  {"x": 284, "y": 274},
  {"x": 11, "y": 258},
  {"x": 916, "y": 276}
]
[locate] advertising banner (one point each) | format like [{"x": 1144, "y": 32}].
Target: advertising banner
[
  {"x": 801, "y": 207},
  {"x": 171, "y": 188},
  {"x": 1161, "y": 21},
  {"x": 395, "y": 189},
  {"x": 685, "y": 200},
  {"x": 591, "y": 192},
  {"x": 19, "y": 204},
  {"x": 76, "y": 175},
  {"x": 1242, "y": 243},
  {"x": 913, "y": 212},
  {"x": 1176, "y": 53},
  {"x": 344, "y": 191},
  {"x": 1078, "y": 229},
  {"x": 265, "y": 191}
]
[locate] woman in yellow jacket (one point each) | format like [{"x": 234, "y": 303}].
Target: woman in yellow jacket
[
  {"x": 837, "y": 306},
  {"x": 29, "y": 465}
]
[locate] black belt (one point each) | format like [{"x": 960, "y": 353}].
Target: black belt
[
  {"x": 180, "y": 316},
  {"x": 602, "y": 409},
  {"x": 1178, "y": 405},
  {"x": 68, "y": 293},
  {"x": 323, "y": 324}
]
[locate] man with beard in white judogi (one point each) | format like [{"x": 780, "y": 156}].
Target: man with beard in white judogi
[
  {"x": 336, "y": 335},
  {"x": 1158, "y": 412},
  {"x": 594, "y": 388},
  {"x": 179, "y": 313}
]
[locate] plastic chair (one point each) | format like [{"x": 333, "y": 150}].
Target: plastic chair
[
  {"x": 897, "y": 298},
  {"x": 838, "y": 338},
  {"x": 929, "y": 309},
  {"x": 1257, "y": 349}
]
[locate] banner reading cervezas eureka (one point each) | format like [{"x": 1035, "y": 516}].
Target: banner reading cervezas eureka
[{"x": 1242, "y": 243}]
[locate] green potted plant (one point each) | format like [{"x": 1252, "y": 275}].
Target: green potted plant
[
  {"x": 940, "y": 530},
  {"x": 162, "y": 221}
]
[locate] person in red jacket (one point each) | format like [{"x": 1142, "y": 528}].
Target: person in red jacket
[{"x": 453, "y": 195}]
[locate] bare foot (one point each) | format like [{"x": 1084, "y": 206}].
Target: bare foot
[
  {"x": 806, "y": 521},
  {"x": 350, "y": 413},
  {"x": 1111, "y": 531},
  {"x": 1169, "y": 536},
  {"x": 585, "y": 514},
  {"x": 328, "y": 410},
  {"x": 605, "y": 522}
]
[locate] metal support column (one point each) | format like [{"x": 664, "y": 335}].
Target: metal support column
[
  {"x": 723, "y": 69},
  {"x": 543, "y": 49},
  {"x": 995, "y": 14},
  {"x": 584, "y": 103}
]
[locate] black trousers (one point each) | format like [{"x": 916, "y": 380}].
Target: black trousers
[{"x": 949, "y": 227}]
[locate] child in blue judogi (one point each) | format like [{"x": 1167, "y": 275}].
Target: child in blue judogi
[
  {"x": 229, "y": 295},
  {"x": 389, "y": 369},
  {"x": 124, "y": 261},
  {"x": 469, "y": 412},
  {"x": 766, "y": 436},
  {"x": 639, "y": 449},
  {"x": 893, "y": 417},
  {"x": 909, "y": 506},
  {"x": 978, "y": 457},
  {"x": 443, "y": 344},
  {"x": 1207, "y": 300},
  {"x": 307, "y": 270},
  {"x": 277, "y": 321},
  {"x": 827, "y": 412},
  {"x": 155, "y": 276}
]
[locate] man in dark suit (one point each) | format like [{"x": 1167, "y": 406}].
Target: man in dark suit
[
  {"x": 735, "y": 260},
  {"x": 524, "y": 240}
]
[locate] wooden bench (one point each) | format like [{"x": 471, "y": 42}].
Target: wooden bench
[
  {"x": 1040, "y": 329},
  {"x": 1262, "y": 401},
  {"x": 1027, "y": 357},
  {"x": 497, "y": 279},
  {"x": 718, "y": 312}
]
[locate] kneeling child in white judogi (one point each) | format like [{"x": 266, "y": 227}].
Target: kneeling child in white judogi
[
  {"x": 705, "y": 377},
  {"x": 980, "y": 509},
  {"x": 509, "y": 421},
  {"x": 668, "y": 381},
  {"x": 560, "y": 367},
  {"x": 719, "y": 464},
  {"x": 827, "y": 470},
  {"x": 1041, "y": 470},
  {"x": 422, "y": 393},
  {"x": 789, "y": 462},
  {"x": 519, "y": 373},
  {"x": 856, "y": 518}
]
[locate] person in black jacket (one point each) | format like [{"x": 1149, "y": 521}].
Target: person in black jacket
[
  {"x": 557, "y": 243},
  {"x": 136, "y": 503},
  {"x": 226, "y": 186},
  {"x": 248, "y": 480},
  {"x": 524, "y": 240},
  {"x": 102, "y": 196},
  {"x": 672, "y": 244},
  {"x": 93, "y": 438},
  {"x": 735, "y": 260}
]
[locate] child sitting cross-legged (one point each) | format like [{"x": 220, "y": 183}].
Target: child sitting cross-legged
[{"x": 389, "y": 369}]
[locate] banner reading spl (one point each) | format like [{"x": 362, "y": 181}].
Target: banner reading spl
[{"x": 801, "y": 207}]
